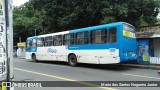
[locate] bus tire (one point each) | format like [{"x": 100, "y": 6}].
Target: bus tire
[
  {"x": 34, "y": 58},
  {"x": 72, "y": 60}
]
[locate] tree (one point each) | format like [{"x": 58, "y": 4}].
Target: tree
[
  {"x": 26, "y": 20},
  {"x": 74, "y": 14},
  {"x": 48, "y": 16}
]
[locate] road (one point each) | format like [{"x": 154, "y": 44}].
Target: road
[{"x": 26, "y": 70}]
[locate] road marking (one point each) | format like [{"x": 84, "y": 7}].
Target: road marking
[
  {"x": 61, "y": 66},
  {"x": 140, "y": 76},
  {"x": 62, "y": 78}
]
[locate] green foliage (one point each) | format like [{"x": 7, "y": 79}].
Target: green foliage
[
  {"x": 26, "y": 20},
  {"x": 142, "y": 22},
  {"x": 158, "y": 22},
  {"x": 48, "y": 16}
]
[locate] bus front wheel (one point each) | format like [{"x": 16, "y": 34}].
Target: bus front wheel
[
  {"x": 72, "y": 60},
  {"x": 34, "y": 58}
]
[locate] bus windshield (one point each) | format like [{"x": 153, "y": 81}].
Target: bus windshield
[
  {"x": 128, "y": 31},
  {"x": 28, "y": 44}
]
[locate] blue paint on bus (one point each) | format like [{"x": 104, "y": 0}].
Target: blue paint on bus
[{"x": 127, "y": 46}]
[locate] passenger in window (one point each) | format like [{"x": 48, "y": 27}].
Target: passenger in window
[{"x": 112, "y": 34}]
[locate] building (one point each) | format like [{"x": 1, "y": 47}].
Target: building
[
  {"x": 148, "y": 44},
  {"x": 21, "y": 49}
]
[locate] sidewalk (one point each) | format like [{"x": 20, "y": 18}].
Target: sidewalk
[{"x": 150, "y": 66}]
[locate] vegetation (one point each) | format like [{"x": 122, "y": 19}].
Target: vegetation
[{"x": 48, "y": 16}]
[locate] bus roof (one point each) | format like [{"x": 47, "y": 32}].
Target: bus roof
[
  {"x": 51, "y": 34},
  {"x": 81, "y": 29},
  {"x": 97, "y": 27},
  {"x": 30, "y": 38}
]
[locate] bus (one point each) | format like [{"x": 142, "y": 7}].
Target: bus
[{"x": 102, "y": 44}]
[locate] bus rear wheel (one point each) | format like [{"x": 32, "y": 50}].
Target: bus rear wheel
[
  {"x": 72, "y": 60},
  {"x": 34, "y": 58}
]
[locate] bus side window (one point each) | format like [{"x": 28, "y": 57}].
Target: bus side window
[
  {"x": 54, "y": 40},
  {"x": 66, "y": 39},
  {"x": 42, "y": 41},
  {"x": 48, "y": 41},
  {"x": 77, "y": 35},
  {"x": 82, "y": 37},
  {"x": 57, "y": 40},
  {"x": 34, "y": 42},
  {"x": 86, "y": 37},
  {"x": 28, "y": 44},
  {"x": 104, "y": 35},
  {"x": 99, "y": 36},
  {"x": 113, "y": 34},
  {"x": 39, "y": 42},
  {"x": 71, "y": 39},
  {"x": 45, "y": 41}
]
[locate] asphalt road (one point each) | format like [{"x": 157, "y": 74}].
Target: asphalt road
[{"x": 26, "y": 70}]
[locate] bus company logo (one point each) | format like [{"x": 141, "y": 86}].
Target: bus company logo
[{"x": 50, "y": 50}]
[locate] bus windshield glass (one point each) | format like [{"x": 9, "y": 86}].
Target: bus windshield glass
[
  {"x": 128, "y": 31},
  {"x": 28, "y": 44}
]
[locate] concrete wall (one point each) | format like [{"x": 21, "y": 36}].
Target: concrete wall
[{"x": 156, "y": 42}]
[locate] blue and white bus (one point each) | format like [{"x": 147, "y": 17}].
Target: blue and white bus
[{"x": 102, "y": 44}]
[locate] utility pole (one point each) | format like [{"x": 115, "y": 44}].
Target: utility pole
[
  {"x": 19, "y": 39},
  {"x": 9, "y": 28},
  {"x": 6, "y": 40},
  {"x": 35, "y": 31}
]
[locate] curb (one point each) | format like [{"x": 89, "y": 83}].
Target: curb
[
  {"x": 19, "y": 57},
  {"x": 156, "y": 67}
]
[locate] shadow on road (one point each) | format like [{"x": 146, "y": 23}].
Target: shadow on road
[{"x": 112, "y": 67}]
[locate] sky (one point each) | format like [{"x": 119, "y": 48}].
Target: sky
[{"x": 19, "y": 2}]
